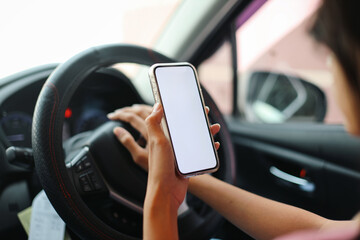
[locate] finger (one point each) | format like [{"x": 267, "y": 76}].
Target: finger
[
  {"x": 153, "y": 121},
  {"x": 128, "y": 141},
  {"x": 207, "y": 109},
  {"x": 215, "y": 128},
  {"x": 217, "y": 145},
  {"x": 142, "y": 110},
  {"x": 134, "y": 120},
  {"x": 111, "y": 116}
]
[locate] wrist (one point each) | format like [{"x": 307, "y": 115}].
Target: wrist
[
  {"x": 196, "y": 183},
  {"x": 160, "y": 216},
  {"x": 158, "y": 197}
]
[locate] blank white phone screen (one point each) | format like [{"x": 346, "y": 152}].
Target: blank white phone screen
[{"x": 186, "y": 120}]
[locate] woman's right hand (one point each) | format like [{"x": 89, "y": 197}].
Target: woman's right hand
[{"x": 135, "y": 116}]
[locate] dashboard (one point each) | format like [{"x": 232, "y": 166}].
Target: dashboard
[{"x": 102, "y": 92}]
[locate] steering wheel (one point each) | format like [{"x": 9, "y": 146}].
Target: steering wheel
[{"x": 101, "y": 173}]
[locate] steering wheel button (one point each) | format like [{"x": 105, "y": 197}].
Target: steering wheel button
[
  {"x": 84, "y": 180},
  {"x": 87, "y": 164},
  {"x": 86, "y": 188},
  {"x": 92, "y": 176},
  {"x": 79, "y": 167},
  {"x": 95, "y": 181}
]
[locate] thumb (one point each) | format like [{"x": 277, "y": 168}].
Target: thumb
[{"x": 153, "y": 121}]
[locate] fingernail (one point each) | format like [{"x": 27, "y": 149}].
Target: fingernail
[
  {"x": 156, "y": 107},
  {"x": 110, "y": 115}
]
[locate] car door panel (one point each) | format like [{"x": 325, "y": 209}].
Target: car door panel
[
  {"x": 343, "y": 191},
  {"x": 312, "y": 166}
]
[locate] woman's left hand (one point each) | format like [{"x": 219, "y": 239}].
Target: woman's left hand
[
  {"x": 165, "y": 189},
  {"x": 162, "y": 180}
]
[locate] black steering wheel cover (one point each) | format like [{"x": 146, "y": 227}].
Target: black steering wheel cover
[{"x": 47, "y": 133}]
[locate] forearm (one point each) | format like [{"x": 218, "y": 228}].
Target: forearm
[
  {"x": 160, "y": 216},
  {"x": 259, "y": 217}
]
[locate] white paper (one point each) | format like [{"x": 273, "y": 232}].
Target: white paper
[{"x": 45, "y": 222}]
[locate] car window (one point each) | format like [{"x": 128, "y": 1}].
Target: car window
[
  {"x": 215, "y": 75},
  {"x": 40, "y": 32},
  {"x": 282, "y": 72}
]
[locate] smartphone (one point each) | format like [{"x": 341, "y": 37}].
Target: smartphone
[{"x": 185, "y": 122}]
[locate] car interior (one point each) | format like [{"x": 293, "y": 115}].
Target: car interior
[{"x": 282, "y": 136}]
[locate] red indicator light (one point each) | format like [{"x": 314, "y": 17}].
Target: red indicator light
[
  {"x": 68, "y": 113},
  {"x": 302, "y": 173}
]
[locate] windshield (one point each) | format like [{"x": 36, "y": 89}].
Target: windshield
[{"x": 41, "y": 31}]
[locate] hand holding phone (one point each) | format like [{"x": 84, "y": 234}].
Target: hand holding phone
[{"x": 185, "y": 122}]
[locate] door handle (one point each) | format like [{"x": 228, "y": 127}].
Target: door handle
[{"x": 303, "y": 184}]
